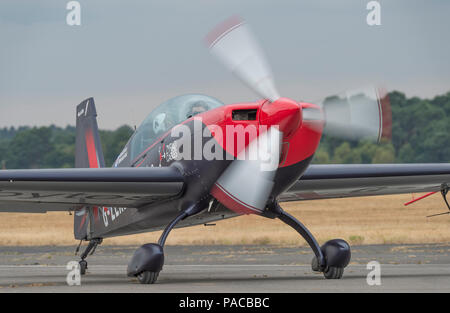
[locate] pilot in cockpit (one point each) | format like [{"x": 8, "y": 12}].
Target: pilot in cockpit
[
  {"x": 197, "y": 108},
  {"x": 161, "y": 124}
]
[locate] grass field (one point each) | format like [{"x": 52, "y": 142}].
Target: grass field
[{"x": 367, "y": 220}]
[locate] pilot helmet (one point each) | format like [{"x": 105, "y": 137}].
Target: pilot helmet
[
  {"x": 197, "y": 108},
  {"x": 159, "y": 124}
]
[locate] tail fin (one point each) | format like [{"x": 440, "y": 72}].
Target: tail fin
[
  {"x": 88, "y": 149},
  {"x": 88, "y": 153}
]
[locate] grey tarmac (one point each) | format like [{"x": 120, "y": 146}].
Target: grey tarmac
[{"x": 265, "y": 268}]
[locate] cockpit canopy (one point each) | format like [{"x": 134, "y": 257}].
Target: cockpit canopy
[{"x": 167, "y": 115}]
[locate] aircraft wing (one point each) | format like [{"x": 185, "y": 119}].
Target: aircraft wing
[
  {"x": 354, "y": 180},
  {"x": 63, "y": 189}
]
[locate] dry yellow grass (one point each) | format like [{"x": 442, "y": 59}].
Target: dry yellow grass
[{"x": 368, "y": 220}]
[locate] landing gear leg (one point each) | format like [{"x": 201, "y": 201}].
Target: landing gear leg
[
  {"x": 93, "y": 243},
  {"x": 330, "y": 258},
  {"x": 148, "y": 260}
]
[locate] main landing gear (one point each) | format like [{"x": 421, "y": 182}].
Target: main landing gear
[
  {"x": 330, "y": 259},
  {"x": 148, "y": 260},
  {"x": 93, "y": 243}
]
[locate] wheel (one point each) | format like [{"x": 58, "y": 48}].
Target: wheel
[
  {"x": 333, "y": 272},
  {"x": 83, "y": 267},
  {"x": 315, "y": 265},
  {"x": 147, "y": 277}
]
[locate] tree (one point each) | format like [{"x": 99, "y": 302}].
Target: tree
[
  {"x": 29, "y": 148},
  {"x": 384, "y": 154},
  {"x": 406, "y": 154},
  {"x": 346, "y": 155},
  {"x": 420, "y": 133},
  {"x": 321, "y": 156}
]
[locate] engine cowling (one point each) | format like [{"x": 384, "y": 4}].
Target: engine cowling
[{"x": 284, "y": 113}]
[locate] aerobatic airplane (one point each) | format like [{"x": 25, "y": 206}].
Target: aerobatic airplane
[{"x": 194, "y": 160}]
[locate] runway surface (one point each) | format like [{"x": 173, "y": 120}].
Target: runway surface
[{"x": 404, "y": 268}]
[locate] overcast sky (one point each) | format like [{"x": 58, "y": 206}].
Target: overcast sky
[{"x": 133, "y": 55}]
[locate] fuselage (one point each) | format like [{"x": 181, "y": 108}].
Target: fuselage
[{"x": 214, "y": 139}]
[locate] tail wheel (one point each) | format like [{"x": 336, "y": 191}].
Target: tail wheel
[
  {"x": 333, "y": 272},
  {"x": 147, "y": 277}
]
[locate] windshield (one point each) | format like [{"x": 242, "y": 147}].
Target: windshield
[{"x": 167, "y": 115}]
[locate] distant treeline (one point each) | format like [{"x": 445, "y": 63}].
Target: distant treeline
[
  {"x": 52, "y": 147},
  {"x": 420, "y": 133}
]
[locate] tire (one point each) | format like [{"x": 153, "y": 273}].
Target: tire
[
  {"x": 315, "y": 265},
  {"x": 147, "y": 277},
  {"x": 83, "y": 267},
  {"x": 333, "y": 272}
]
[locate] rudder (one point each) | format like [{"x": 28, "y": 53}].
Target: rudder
[
  {"x": 88, "y": 149},
  {"x": 88, "y": 154}
]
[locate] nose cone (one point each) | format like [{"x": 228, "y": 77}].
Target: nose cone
[{"x": 284, "y": 113}]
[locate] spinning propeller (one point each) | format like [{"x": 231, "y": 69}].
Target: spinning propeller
[
  {"x": 234, "y": 45},
  {"x": 247, "y": 183},
  {"x": 363, "y": 113}
]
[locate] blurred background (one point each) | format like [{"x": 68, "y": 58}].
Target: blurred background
[{"x": 133, "y": 55}]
